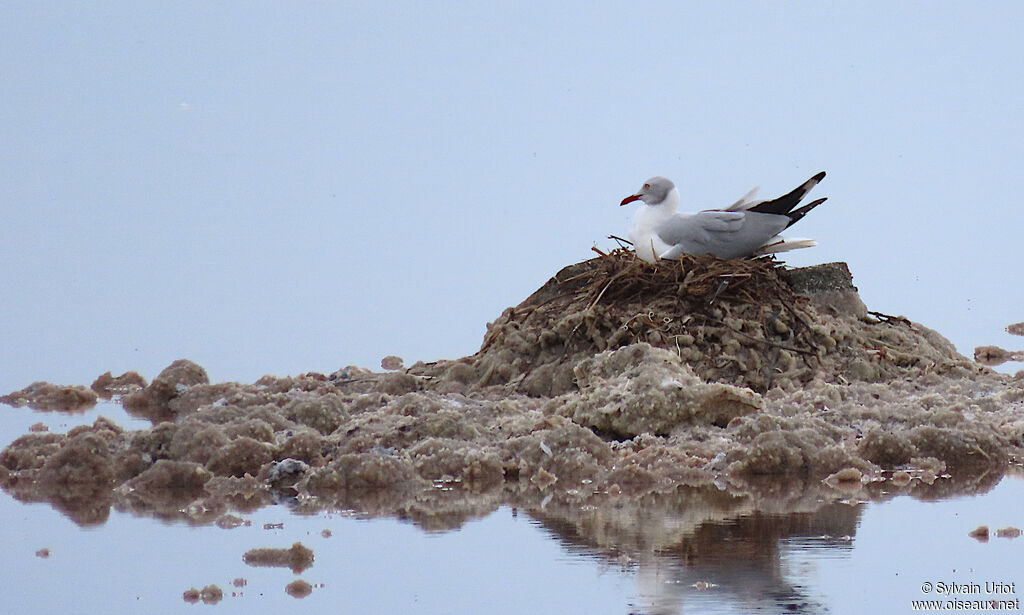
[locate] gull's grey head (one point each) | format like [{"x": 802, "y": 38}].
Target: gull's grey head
[{"x": 654, "y": 191}]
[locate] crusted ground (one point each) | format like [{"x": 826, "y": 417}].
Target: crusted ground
[{"x": 616, "y": 383}]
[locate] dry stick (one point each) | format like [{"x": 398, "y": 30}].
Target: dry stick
[
  {"x": 888, "y": 318},
  {"x": 576, "y": 277},
  {"x": 601, "y": 294}
]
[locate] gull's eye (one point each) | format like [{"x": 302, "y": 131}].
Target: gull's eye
[{"x": 647, "y": 186}]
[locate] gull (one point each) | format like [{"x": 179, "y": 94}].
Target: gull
[{"x": 748, "y": 227}]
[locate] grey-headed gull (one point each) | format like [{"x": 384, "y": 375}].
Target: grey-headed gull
[{"x": 748, "y": 227}]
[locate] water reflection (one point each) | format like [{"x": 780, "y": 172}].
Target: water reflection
[
  {"x": 735, "y": 561},
  {"x": 712, "y": 525},
  {"x": 706, "y": 547},
  {"x": 683, "y": 551}
]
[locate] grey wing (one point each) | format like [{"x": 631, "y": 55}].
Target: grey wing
[
  {"x": 727, "y": 234},
  {"x": 701, "y": 228}
]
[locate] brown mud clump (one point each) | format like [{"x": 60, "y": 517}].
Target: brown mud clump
[
  {"x": 979, "y": 533},
  {"x": 211, "y": 594},
  {"x": 154, "y": 401},
  {"x": 107, "y": 386},
  {"x": 1008, "y": 532},
  {"x": 298, "y": 557},
  {"x": 298, "y": 588},
  {"x": 46, "y": 396},
  {"x": 618, "y": 384}
]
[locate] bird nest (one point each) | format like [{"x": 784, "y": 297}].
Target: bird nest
[
  {"x": 693, "y": 282},
  {"x": 698, "y": 296},
  {"x": 733, "y": 320}
]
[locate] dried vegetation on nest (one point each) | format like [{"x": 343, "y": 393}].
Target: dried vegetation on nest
[{"x": 695, "y": 296}]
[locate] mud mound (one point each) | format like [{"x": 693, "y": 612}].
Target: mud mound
[
  {"x": 749, "y": 323},
  {"x": 47, "y": 396},
  {"x": 616, "y": 382}
]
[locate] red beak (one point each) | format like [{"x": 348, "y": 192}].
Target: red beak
[{"x": 629, "y": 199}]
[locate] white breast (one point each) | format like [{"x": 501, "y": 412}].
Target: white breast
[{"x": 645, "y": 240}]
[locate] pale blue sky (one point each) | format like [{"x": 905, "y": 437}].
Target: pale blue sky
[{"x": 284, "y": 187}]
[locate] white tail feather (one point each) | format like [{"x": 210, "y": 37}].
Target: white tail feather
[{"x": 781, "y": 244}]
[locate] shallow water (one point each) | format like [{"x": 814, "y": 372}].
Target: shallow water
[
  {"x": 511, "y": 562},
  {"x": 851, "y": 557}
]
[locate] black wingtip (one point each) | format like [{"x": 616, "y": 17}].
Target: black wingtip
[
  {"x": 796, "y": 214},
  {"x": 784, "y": 204}
]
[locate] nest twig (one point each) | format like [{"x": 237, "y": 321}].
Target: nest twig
[
  {"x": 619, "y": 276},
  {"x": 701, "y": 295}
]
